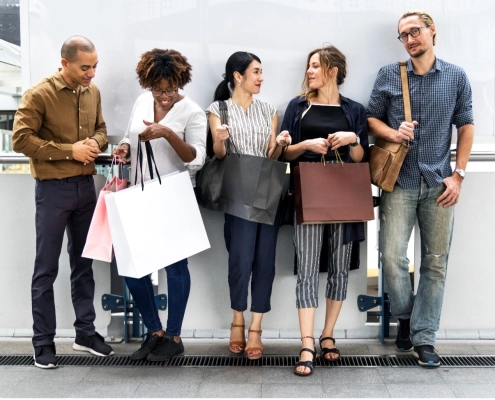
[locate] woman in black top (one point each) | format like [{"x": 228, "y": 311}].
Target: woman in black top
[{"x": 322, "y": 123}]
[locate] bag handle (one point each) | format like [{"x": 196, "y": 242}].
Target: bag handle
[
  {"x": 224, "y": 120},
  {"x": 405, "y": 91},
  {"x": 337, "y": 156},
  {"x": 114, "y": 160},
  {"x": 151, "y": 160}
]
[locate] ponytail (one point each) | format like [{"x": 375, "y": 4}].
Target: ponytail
[{"x": 222, "y": 92}]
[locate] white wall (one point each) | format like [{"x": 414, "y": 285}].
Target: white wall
[{"x": 280, "y": 32}]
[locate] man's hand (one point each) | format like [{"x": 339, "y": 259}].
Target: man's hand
[
  {"x": 405, "y": 132},
  {"x": 452, "y": 192},
  {"x": 85, "y": 152},
  {"x": 92, "y": 142},
  {"x": 121, "y": 153}
]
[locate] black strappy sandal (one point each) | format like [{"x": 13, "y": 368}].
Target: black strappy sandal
[
  {"x": 308, "y": 364},
  {"x": 326, "y": 350}
]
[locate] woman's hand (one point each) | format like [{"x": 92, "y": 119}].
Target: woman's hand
[
  {"x": 318, "y": 145},
  {"x": 154, "y": 131},
  {"x": 222, "y": 133},
  {"x": 121, "y": 153},
  {"x": 339, "y": 139},
  {"x": 283, "y": 139}
]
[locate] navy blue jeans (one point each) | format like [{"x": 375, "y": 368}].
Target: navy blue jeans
[
  {"x": 178, "y": 286},
  {"x": 251, "y": 248}
]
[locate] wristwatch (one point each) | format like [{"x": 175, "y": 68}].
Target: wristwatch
[
  {"x": 357, "y": 142},
  {"x": 461, "y": 172}
]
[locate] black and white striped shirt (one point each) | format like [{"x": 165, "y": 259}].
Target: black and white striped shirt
[{"x": 251, "y": 130}]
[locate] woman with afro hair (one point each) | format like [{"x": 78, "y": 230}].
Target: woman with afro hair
[{"x": 175, "y": 126}]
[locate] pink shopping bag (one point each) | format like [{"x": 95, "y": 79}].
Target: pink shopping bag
[{"x": 99, "y": 240}]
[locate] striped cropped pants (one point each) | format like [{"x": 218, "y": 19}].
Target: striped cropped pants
[{"x": 308, "y": 242}]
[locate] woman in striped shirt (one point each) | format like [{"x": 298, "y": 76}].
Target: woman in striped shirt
[{"x": 252, "y": 127}]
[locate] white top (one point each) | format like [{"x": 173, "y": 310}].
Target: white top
[
  {"x": 186, "y": 119},
  {"x": 251, "y": 130}
]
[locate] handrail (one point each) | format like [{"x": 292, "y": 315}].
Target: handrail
[
  {"x": 14, "y": 158},
  {"x": 106, "y": 158}
]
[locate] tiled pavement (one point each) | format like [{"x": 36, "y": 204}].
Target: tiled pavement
[{"x": 146, "y": 382}]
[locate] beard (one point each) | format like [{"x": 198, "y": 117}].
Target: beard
[{"x": 418, "y": 53}]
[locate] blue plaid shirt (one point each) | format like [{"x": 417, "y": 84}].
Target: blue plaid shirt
[{"x": 439, "y": 99}]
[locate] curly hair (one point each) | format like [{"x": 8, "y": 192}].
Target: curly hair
[
  {"x": 330, "y": 57},
  {"x": 158, "y": 64}
]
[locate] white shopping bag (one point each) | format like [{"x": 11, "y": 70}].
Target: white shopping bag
[{"x": 157, "y": 226}]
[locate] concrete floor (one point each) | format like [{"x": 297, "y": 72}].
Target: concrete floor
[{"x": 250, "y": 382}]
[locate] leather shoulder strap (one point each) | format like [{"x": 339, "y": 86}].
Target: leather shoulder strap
[{"x": 405, "y": 91}]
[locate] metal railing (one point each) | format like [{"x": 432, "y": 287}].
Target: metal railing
[{"x": 106, "y": 158}]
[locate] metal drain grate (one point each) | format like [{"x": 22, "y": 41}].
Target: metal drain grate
[{"x": 239, "y": 361}]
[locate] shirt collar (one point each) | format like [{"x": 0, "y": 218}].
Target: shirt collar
[
  {"x": 60, "y": 83},
  {"x": 437, "y": 65}
]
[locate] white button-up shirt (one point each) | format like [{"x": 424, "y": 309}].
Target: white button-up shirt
[{"x": 186, "y": 119}]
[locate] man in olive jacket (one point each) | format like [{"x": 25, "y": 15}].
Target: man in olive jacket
[{"x": 60, "y": 127}]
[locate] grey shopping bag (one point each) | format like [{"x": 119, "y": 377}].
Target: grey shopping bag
[{"x": 252, "y": 187}]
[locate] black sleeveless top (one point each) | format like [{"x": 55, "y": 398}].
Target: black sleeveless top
[{"x": 317, "y": 122}]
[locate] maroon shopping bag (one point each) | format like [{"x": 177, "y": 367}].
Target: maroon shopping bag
[{"x": 332, "y": 193}]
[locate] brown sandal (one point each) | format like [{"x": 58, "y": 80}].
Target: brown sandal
[
  {"x": 249, "y": 349},
  {"x": 239, "y": 344}
]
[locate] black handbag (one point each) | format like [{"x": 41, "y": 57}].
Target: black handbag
[{"x": 209, "y": 178}]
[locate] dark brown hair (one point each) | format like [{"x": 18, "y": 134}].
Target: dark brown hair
[{"x": 159, "y": 64}]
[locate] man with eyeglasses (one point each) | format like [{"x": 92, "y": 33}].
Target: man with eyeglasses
[
  {"x": 426, "y": 189},
  {"x": 59, "y": 126}
]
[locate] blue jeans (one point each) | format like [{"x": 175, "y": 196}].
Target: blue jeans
[
  {"x": 178, "y": 285},
  {"x": 398, "y": 212}
]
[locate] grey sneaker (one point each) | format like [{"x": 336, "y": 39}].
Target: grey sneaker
[
  {"x": 427, "y": 356},
  {"x": 94, "y": 344},
  {"x": 403, "y": 342},
  {"x": 44, "y": 356}
]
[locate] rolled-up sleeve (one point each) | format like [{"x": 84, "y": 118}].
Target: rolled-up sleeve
[
  {"x": 378, "y": 104},
  {"x": 463, "y": 113},
  {"x": 195, "y": 136}
]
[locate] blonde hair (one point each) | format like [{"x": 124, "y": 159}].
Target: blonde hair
[
  {"x": 330, "y": 57},
  {"x": 423, "y": 15}
]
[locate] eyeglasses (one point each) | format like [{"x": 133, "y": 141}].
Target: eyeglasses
[
  {"x": 166, "y": 92},
  {"x": 414, "y": 32}
]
